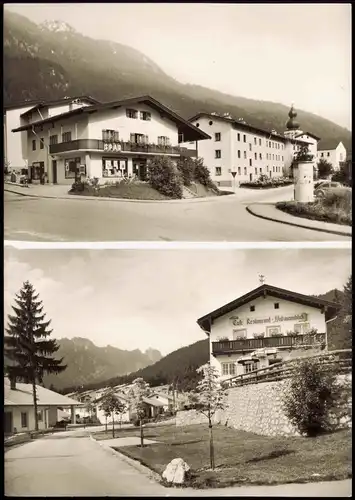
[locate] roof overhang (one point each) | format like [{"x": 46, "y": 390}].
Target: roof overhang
[
  {"x": 330, "y": 308},
  {"x": 310, "y": 135}
]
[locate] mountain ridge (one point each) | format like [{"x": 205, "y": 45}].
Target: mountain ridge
[{"x": 59, "y": 63}]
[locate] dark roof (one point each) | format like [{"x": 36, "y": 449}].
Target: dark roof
[
  {"x": 246, "y": 126},
  {"x": 44, "y": 104},
  {"x": 328, "y": 144},
  {"x": 311, "y": 135},
  {"x": 22, "y": 104},
  {"x": 190, "y": 131},
  {"x": 331, "y": 308}
]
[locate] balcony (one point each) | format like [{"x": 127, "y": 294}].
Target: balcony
[
  {"x": 246, "y": 345},
  {"x": 119, "y": 147}
]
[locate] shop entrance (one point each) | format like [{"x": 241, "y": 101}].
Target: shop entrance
[
  {"x": 140, "y": 168},
  {"x": 37, "y": 173}
]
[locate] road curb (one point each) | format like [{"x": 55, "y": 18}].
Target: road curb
[
  {"x": 303, "y": 226},
  {"x": 130, "y": 461}
]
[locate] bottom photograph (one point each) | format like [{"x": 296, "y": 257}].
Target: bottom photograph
[{"x": 215, "y": 372}]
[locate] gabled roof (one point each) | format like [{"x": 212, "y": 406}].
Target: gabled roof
[
  {"x": 153, "y": 402},
  {"x": 22, "y": 104},
  {"x": 190, "y": 131},
  {"x": 44, "y": 104},
  {"x": 309, "y": 134},
  {"x": 23, "y": 396},
  {"x": 330, "y": 308},
  {"x": 328, "y": 144}
]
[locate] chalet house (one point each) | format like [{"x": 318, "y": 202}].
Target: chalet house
[
  {"x": 104, "y": 140},
  {"x": 19, "y": 408},
  {"x": 333, "y": 152},
  {"x": 264, "y": 326}
]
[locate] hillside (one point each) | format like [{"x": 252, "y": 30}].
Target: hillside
[
  {"x": 178, "y": 367},
  {"x": 87, "y": 363},
  {"x": 56, "y": 61}
]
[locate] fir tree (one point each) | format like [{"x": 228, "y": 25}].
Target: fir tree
[{"x": 27, "y": 345}]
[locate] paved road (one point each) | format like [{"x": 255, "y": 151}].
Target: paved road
[
  {"x": 70, "y": 464},
  {"x": 225, "y": 219}
]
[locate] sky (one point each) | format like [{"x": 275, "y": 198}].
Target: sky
[
  {"x": 283, "y": 53},
  {"x": 138, "y": 299}
]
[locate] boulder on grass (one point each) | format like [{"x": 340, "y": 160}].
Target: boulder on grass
[{"x": 176, "y": 471}]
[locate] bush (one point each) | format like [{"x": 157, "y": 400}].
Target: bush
[
  {"x": 78, "y": 187},
  {"x": 186, "y": 167},
  {"x": 202, "y": 174},
  {"x": 165, "y": 177},
  {"x": 311, "y": 397},
  {"x": 343, "y": 175}
]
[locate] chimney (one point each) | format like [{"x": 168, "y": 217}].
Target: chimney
[{"x": 12, "y": 382}]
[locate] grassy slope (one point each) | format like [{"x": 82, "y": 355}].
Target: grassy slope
[
  {"x": 133, "y": 191},
  {"x": 245, "y": 458}
]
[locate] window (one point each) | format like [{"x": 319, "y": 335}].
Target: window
[
  {"x": 252, "y": 308},
  {"x": 40, "y": 416},
  {"x": 218, "y": 171},
  {"x": 245, "y": 170},
  {"x": 217, "y": 153},
  {"x": 238, "y": 137},
  {"x": 162, "y": 140},
  {"x": 328, "y": 154},
  {"x": 250, "y": 367},
  {"x": 228, "y": 368},
  {"x": 273, "y": 157},
  {"x": 197, "y": 125},
  {"x": 260, "y": 156},
  {"x": 71, "y": 167},
  {"x": 66, "y": 137},
  {"x": 261, "y": 170},
  {"x": 110, "y": 135},
  {"x": 272, "y": 330},
  {"x": 239, "y": 171},
  {"x": 244, "y": 138},
  {"x": 259, "y": 142},
  {"x": 146, "y": 116},
  {"x": 341, "y": 156},
  {"x": 255, "y": 141},
  {"x": 210, "y": 122},
  {"x": 217, "y": 136},
  {"x": 245, "y": 155},
  {"x": 250, "y": 162},
  {"x": 140, "y": 139},
  {"x": 256, "y": 156},
  {"x": 267, "y": 168},
  {"x": 132, "y": 113},
  {"x": 239, "y": 334},
  {"x": 256, "y": 171},
  {"x": 114, "y": 167},
  {"x": 24, "y": 419},
  {"x": 273, "y": 168},
  {"x": 249, "y": 146},
  {"x": 322, "y": 155},
  {"x": 276, "y": 305},
  {"x": 41, "y": 143},
  {"x": 238, "y": 153},
  {"x": 301, "y": 328},
  {"x": 53, "y": 140},
  {"x": 34, "y": 145}
]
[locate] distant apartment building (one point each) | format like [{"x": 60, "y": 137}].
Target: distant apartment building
[
  {"x": 17, "y": 115},
  {"x": 333, "y": 152},
  {"x": 248, "y": 151},
  {"x": 103, "y": 140},
  {"x": 265, "y": 326}
]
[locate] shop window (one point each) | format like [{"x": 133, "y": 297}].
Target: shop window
[
  {"x": 250, "y": 367},
  {"x": 252, "y": 308},
  {"x": 71, "y": 167},
  {"x": 114, "y": 167},
  {"x": 24, "y": 420},
  {"x": 218, "y": 171},
  {"x": 276, "y": 305},
  {"x": 228, "y": 368}
]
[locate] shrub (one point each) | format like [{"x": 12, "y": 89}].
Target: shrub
[
  {"x": 186, "y": 167},
  {"x": 202, "y": 174},
  {"x": 343, "y": 174},
  {"x": 165, "y": 177},
  {"x": 325, "y": 169},
  {"x": 311, "y": 397},
  {"x": 77, "y": 187}
]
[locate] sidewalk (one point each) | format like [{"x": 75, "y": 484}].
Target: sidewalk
[{"x": 268, "y": 211}]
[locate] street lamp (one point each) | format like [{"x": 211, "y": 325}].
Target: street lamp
[{"x": 234, "y": 173}]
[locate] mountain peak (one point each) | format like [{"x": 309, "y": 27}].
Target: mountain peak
[{"x": 57, "y": 26}]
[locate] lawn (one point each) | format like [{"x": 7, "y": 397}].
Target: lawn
[
  {"x": 242, "y": 457},
  {"x": 334, "y": 207},
  {"x": 128, "y": 191}
]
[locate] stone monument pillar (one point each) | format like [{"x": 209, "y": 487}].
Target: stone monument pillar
[{"x": 304, "y": 184}]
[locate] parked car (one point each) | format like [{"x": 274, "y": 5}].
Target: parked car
[{"x": 327, "y": 186}]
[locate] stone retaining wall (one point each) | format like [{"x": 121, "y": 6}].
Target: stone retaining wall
[{"x": 253, "y": 408}]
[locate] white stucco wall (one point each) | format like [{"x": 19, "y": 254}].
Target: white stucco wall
[
  {"x": 16, "y": 417},
  {"x": 15, "y": 150},
  {"x": 333, "y": 156}
]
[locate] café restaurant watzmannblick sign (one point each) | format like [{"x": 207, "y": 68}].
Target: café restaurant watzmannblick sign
[{"x": 271, "y": 319}]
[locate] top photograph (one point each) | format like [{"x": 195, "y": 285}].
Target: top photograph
[{"x": 226, "y": 130}]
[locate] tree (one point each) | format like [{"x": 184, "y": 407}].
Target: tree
[
  {"x": 186, "y": 167},
  {"x": 165, "y": 177},
  {"x": 210, "y": 396},
  {"x": 311, "y": 397},
  {"x": 136, "y": 395},
  {"x": 339, "y": 331},
  {"x": 343, "y": 175},
  {"x": 325, "y": 169},
  {"x": 111, "y": 405},
  {"x": 26, "y": 344},
  {"x": 202, "y": 173}
]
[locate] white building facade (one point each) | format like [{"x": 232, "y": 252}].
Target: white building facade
[
  {"x": 270, "y": 321},
  {"x": 334, "y": 154},
  {"x": 107, "y": 141}
]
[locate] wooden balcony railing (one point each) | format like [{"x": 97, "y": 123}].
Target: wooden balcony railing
[
  {"x": 244, "y": 345},
  {"x": 119, "y": 146}
]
